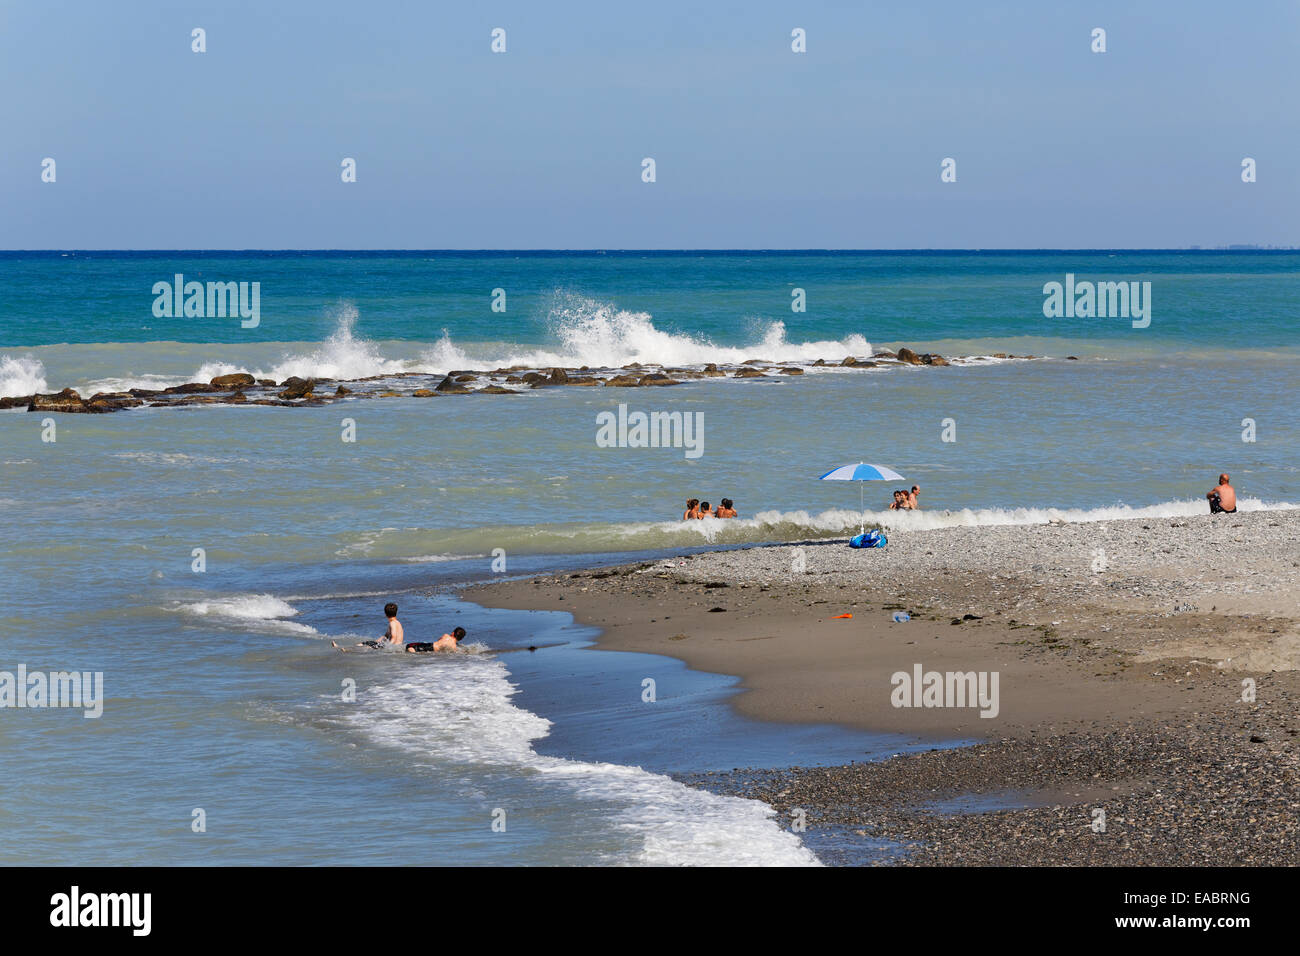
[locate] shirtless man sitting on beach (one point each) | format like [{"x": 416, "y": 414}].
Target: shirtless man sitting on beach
[
  {"x": 393, "y": 635},
  {"x": 448, "y": 642},
  {"x": 1223, "y": 499}
]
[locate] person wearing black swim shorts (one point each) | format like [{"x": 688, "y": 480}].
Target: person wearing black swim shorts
[
  {"x": 1223, "y": 499},
  {"x": 448, "y": 642}
]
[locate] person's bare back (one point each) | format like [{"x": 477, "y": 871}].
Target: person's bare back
[{"x": 1223, "y": 499}]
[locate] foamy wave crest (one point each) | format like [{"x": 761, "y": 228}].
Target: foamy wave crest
[
  {"x": 411, "y": 544},
  {"x": 600, "y": 335},
  {"x": 21, "y": 376},
  {"x": 586, "y": 332},
  {"x": 459, "y": 710},
  {"x": 261, "y": 611},
  {"x": 342, "y": 355}
]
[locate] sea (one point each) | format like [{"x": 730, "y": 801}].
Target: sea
[{"x": 201, "y": 560}]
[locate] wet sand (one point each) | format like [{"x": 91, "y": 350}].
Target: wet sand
[{"x": 1121, "y": 648}]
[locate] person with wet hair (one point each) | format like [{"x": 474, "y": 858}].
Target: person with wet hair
[
  {"x": 726, "y": 510},
  {"x": 448, "y": 642},
  {"x": 692, "y": 509}
]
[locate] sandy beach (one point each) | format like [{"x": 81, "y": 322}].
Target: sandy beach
[{"x": 1126, "y": 653}]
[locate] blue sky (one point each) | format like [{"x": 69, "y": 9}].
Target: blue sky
[{"x": 541, "y": 147}]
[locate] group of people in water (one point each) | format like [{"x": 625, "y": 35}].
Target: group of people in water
[
  {"x": 906, "y": 500},
  {"x": 394, "y": 636},
  {"x": 695, "y": 508}
]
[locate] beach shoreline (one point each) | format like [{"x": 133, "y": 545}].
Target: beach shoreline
[{"x": 1123, "y": 650}]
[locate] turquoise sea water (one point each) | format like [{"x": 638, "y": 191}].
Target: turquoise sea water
[{"x": 223, "y": 692}]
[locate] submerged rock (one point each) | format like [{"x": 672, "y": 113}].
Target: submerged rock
[
  {"x": 747, "y": 373},
  {"x": 658, "y": 378},
  {"x": 623, "y": 381},
  {"x": 908, "y": 356}
]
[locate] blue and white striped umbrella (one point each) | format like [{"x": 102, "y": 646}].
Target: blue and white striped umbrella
[{"x": 862, "y": 472}]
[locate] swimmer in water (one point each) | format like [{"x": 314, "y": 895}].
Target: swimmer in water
[
  {"x": 448, "y": 642},
  {"x": 391, "y": 636}
]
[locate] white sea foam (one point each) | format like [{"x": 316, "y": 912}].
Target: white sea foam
[
  {"x": 21, "y": 376},
  {"x": 459, "y": 710},
  {"x": 263, "y": 611},
  {"x": 584, "y": 331}
]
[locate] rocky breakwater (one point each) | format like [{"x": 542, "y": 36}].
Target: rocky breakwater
[{"x": 244, "y": 388}]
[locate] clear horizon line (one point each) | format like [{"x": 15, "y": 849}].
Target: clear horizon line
[{"x": 710, "y": 250}]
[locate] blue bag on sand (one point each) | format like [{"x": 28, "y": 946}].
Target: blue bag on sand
[{"x": 871, "y": 539}]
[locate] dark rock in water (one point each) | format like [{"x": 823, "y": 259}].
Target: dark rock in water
[
  {"x": 266, "y": 382},
  {"x": 1072, "y": 358},
  {"x": 792, "y": 370},
  {"x": 238, "y": 398},
  {"x": 342, "y": 390},
  {"x": 192, "y": 388},
  {"x": 885, "y": 353},
  {"x": 908, "y": 356},
  {"x": 448, "y": 387},
  {"x": 467, "y": 377},
  {"x": 633, "y": 365},
  {"x": 194, "y": 400},
  {"x": 144, "y": 392},
  {"x": 581, "y": 381},
  {"x": 820, "y": 362},
  {"x": 658, "y": 378},
  {"x": 296, "y": 387},
  {"x": 558, "y": 376},
  {"x": 274, "y": 401},
  {"x": 514, "y": 380},
  {"x": 931, "y": 359},
  {"x": 623, "y": 381},
  {"x": 756, "y": 362},
  {"x": 999, "y": 354},
  {"x": 391, "y": 394},
  {"x": 711, "y": 367},
  {"x": 498, "y": 390},
  {"x": 16, "y": 400},
  {"x": 65, "y": 401},
  {"x": 747, "y": 373},
  {"x": 531, "y": 378},
  {"x": 423, "y": 393},
  {"x": 867, "y": 364},
  {"x": 234, "y": 380},
  {"x": 849, "y": 361}
]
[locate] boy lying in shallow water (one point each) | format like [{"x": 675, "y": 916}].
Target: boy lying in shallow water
[{"x": 448, "y": 642}]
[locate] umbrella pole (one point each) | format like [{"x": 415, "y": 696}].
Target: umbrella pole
[{"x": 862, "y": 522}]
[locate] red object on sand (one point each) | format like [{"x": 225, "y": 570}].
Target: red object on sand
[{"x": 840, "y": 616}]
